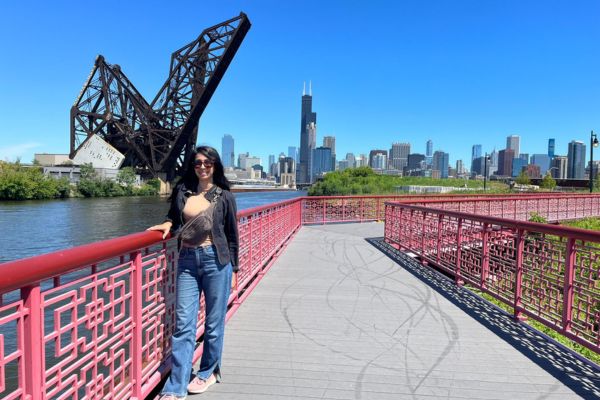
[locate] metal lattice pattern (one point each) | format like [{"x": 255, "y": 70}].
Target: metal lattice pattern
[
  {"x": 156, "y": 137},
  {"x": 551, "y": 274}
]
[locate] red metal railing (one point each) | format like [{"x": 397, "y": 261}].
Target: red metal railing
[
  {"x": 549, "y": 273},
  {"x": 94, "y": 321},
  {"x": 326, "y": 209}
]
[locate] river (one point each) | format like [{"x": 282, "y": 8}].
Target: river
[{"x": 36, "y": 227}]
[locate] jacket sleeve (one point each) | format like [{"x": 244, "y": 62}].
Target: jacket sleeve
[
  {"x": 231, "y": 230},
  {"x": 174, "y": 214}
]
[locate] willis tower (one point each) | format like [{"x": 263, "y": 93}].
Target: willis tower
[{"x": 308, "y": 121}]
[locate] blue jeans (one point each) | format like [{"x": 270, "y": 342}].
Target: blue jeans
[{"x": 198, "y": 270}]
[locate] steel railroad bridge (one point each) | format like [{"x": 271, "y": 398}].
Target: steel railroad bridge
[{"x": 337, "y": 298}]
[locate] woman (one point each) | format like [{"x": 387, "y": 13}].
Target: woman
[{"x": 203, "y": 213}]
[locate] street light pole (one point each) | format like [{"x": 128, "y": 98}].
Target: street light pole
[
  {"x": 485, "y": 159},
  {"x": 593, "y": 143}
]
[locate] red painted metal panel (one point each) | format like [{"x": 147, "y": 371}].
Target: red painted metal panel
[{"x": 546, "y": 272}]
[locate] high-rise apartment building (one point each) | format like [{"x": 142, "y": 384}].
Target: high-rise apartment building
[
  {"x": 373, "y": 153},
  {"x": 308, "y": 121},
  {"x": 440, "y": 163},
  {"x": 513, "y": 143},
  {"x": 551, "y": 148},
  {"x": 576, "y": 160},
  {"x": 398, "y": 156},
  {"x": 227, "y": 151},
  {"x": 379, "y": 161}
]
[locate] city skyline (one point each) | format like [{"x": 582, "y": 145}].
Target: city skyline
[{"x": 461, "y": 73}]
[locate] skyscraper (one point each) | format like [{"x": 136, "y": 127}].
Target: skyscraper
[
  {"x": 293, "y": 152},
  {"x": 227, "y": 151},
  {"x": 475, "y": 151},
  {"x": 307, "y": 117},
  {"x": 505, "y": 158},
  {"x": 541, "y": 160},
  {"x": 398, "y": 156},
  {"x": 428, "y": 152},
  {"x": 576, "y": 160},
  {"x": 513, "y": 143},
  {"x": 559, "y": 167},
  {"x": 321, "y": 161},
  {"x": 311, "y": 134},
  {"x": 440, "y": 163},
  {"x": 551, "y": 148},
  {"x": 329, "y": 141}
]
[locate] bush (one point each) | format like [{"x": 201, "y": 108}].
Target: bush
[
  {"x": 18, "y": 182},
  {"x": 548, "y": 182}
]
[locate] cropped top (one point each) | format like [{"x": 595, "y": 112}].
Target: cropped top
[{"x": 197, "y": 229}]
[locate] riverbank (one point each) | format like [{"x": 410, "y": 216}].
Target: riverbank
[
  {"x": 19, "y": 182},
  {"x": 363, "y": 181}
]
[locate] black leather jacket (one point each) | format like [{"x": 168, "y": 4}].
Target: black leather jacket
[{"x": 224, "y": 231}]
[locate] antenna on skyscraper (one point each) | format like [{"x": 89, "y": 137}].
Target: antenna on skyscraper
[
  {"x": 304, "y": 88},
  {"x": 310, "y": 88}
]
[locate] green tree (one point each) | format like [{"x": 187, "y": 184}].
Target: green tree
[
  {"x": 126, "y": 178},
  {"x": 548, "y": 182},
  {"x": 523, "y": 179}
]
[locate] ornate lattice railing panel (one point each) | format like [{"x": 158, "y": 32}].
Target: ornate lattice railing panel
[{"x": 546, "y": 272}]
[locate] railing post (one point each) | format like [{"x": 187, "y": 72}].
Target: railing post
[
  {"x": 485, "y": 255},
  {"x": 519, "y": 276},
  {"x": 423, "y": 223},
  {"x": 32, "y": 342},
  {"x": 250, "y": 245},
  {"x": 136, "y": 317},
  {"x": 439, "y": 238},
  {"x": 324, "y": 211},
  {"x": 570, "y": 261},
  {"x": 457, "y": 277}
]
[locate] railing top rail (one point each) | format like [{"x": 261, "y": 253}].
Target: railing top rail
[
  {"x": 27, "y": 271},
  {"x": 575, "y": 233},
  {"x": 473, "y": 196},
  {"x": 254, "y": 210},
  {"x": 500, "y": 198}
]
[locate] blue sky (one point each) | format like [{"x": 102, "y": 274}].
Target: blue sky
[{"x": 457, "y": 72}]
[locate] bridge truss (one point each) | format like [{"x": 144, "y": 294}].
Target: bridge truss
[{"x": 156, "y": 137}]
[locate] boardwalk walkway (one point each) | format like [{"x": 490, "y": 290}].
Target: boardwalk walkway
[{"x": 338, "y": 317}]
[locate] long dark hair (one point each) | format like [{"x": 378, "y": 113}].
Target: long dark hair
[{"x": 190, "y": 180}]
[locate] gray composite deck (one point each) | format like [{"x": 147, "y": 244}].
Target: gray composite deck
[{"x": 342, "y": 317}]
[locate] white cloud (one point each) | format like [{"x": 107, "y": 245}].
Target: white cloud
[{"x": 21, "y": 150}]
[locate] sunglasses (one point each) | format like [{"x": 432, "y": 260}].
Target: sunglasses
[{"x": 206, "y": 163}]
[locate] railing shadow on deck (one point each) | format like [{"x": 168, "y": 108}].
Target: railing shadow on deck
[{"x": 580, "y": 375}]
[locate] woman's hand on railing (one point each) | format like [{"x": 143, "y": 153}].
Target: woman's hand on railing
[{"x": 165, "y": 228}]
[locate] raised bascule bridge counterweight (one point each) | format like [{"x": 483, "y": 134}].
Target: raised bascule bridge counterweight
[{"x": 155, "y": 138}]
